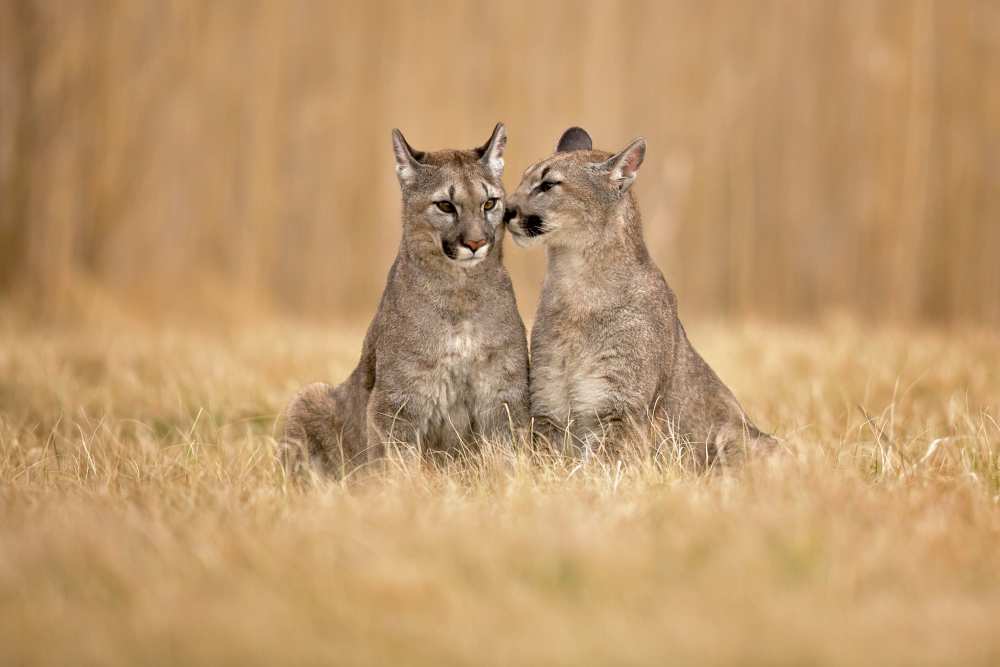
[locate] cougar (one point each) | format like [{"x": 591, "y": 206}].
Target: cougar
[
  {"x": 445, "y": 359},
  {"x": 611, "y": 363}
]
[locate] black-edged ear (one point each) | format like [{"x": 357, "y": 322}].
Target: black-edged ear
[
  {"x": 407, "y": 159},
  {"x": 574, "y": 139},
  {"x": 491, "y": 153},
  {"x": 623, "y": 167}
]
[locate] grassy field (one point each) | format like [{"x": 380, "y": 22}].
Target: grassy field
[{"x": 143, "y": 518}]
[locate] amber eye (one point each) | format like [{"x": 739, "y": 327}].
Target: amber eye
[
  {"x": 445, "y": 206},
  {"x": 490, "y": 204}
]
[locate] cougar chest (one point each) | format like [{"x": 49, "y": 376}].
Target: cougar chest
[
  {"x": 461, "y": 344},
  {"x": 569, "y": 380},
  {"x": 449, "y": 389}
]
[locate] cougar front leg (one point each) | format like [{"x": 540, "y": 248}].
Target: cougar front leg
[
  {"x": 617, "y": 434},
  {"x": 552, "y": 435},
  {"x": 503, "y": 416},
  {"x": 611, "y": 434},
  {"x": 391, "y": 423}
]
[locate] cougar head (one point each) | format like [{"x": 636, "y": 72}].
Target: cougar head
[
  {"x": 572, "y": 195},
  {"x": 453, "y": 200}
]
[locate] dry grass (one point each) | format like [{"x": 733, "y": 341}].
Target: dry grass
[{"x": 143, "y": 519}]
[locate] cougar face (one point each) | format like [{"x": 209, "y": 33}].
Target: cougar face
[
  {"x": 566, "y": 198},
  {"x": 453, "y": 201}
]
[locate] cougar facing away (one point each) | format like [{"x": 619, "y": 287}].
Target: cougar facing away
[
  {"x": 610, "y": 360},
  {"x": 445, "y": 359}
]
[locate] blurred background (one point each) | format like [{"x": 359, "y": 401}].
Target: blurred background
[{"x": 233, "y": 158}]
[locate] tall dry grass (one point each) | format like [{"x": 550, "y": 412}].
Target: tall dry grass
[
  {"x": 226, "y": 156},
  {"x": 143, "y": 518}
]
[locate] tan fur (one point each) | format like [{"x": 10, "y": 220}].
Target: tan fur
[
  {"x": 445, "y": 359},
  {"x": 610, "y": 360}
]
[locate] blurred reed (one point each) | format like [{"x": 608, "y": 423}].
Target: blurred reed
[{"x": 804, "y": 156}]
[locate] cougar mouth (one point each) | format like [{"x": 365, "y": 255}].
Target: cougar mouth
[
  {"x": 464, "y": 256},
  {"x": 528, "y": 231},
  {"x": 527, "y": 226},
  {"x": 533, "y": 225}
]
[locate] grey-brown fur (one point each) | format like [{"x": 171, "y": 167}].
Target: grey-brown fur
[
  {"x": 445, "y": 359},
  {"x": 610, "y": 360}
]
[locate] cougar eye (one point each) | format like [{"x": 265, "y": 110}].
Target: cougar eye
[
  {"x": 445, "y": 206},
  {"x": 545, "y": 186},
  {"x": 490, "y": 204}
]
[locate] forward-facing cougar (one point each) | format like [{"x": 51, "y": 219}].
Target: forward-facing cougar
[{"x": 445, "y": 360}]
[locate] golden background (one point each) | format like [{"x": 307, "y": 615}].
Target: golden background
[{"x": 234, "y": 157}]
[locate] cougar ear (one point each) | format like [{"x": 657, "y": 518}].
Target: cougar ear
[
  {"x": 574, "y": 139},
  {"x": 491, "y": 153},
  {"x": 407, "y": 159},
  {"x": 623, "y": 167}
]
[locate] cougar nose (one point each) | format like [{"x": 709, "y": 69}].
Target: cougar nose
[
  {"x": 474, "y": 245},
  {"x": 509, "y": 214}
]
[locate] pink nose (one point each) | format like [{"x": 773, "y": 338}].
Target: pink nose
[{"x": 474, "y": 245}]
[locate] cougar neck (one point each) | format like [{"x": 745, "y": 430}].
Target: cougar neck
[{"x": 610, "y": 261}]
